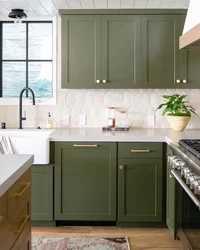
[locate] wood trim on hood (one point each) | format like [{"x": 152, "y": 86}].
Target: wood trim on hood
[{"x": 191, "y": 39}]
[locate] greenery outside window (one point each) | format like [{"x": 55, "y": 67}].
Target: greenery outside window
[{"x": 26, "y": 58}]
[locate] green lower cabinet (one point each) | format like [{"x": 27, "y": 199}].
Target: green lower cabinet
[
  {"x": 42, "y": 193},
  {"x": 170, "y": 216},
  {"x": 140, "y": 190},
  {"x": 85, "y": 181}
]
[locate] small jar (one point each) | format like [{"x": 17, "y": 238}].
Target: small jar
[
  {"x": 110, "y": 117},
  {"x": 122, "y": 120}
]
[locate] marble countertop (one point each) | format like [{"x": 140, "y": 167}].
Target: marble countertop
[
  {"x": 11, "y": 168},
  {"x": 133, "y": 135}
]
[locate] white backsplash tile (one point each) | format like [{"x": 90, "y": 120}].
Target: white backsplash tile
[{"x": 138, "y": 104}]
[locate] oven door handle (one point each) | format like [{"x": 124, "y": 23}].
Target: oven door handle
[{"x": 186, "y": 188}]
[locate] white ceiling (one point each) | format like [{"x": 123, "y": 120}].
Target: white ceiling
[{"x": 42, "y": 8}]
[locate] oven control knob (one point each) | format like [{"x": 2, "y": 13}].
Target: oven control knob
[
  {"x": 186, "y": 171},
  {"x": 197, "y": 188},
  {"x": 188, "y": 177},
  {"x": 171, "y": 159},
  {"x": 194, "y": 181}
]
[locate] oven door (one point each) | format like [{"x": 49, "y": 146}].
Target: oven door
[{"x": 188, "y": 211}]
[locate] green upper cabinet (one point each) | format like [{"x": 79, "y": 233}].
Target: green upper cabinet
[
  {"x": 121, "y": 51},
  {"x": 100, "y": 51},
  {"x": 192, "y": 70},
  {"x": 81, "y": 51},
  {"x": 126, "y": 51},
  {"x": 162, "y": 61},
  {"x": 85, "y": 181}
]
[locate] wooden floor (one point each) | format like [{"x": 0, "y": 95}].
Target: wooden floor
[{"x": 139, "y": 238}]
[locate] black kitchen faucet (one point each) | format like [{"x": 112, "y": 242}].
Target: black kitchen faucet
[{"x": 20, "y": 104}]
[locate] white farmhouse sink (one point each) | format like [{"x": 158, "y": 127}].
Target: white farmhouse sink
[{"x": 28, "y": 141}]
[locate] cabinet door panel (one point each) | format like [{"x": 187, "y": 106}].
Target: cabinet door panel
[
  {"x": 42, "y": 193},
  {"x": 81, "y": 51},
  {"x": 121, "y": 51},
  {"x": 140, "y": 190},
  {"x": 162, "y": 61},
  {"x": 193, "y": 73},
  {"x": 85, "y": 182}
]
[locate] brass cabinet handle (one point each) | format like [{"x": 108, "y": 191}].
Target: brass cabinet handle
[
  {"x": 86, "y": 145},
  {"x": 23, "y": 190},
  {"x": 171, "y": 176},
  {"x": 19, "y": 230},
  {"x": 1, "y": 218},
  {"x": 104, "y": 81},
  {"x": 140, "y": 150},
  {"x": 184, "y": 81},
  {"x": 98, "y": 81},
  {"x": 178, "y": 81},
  {"x": 121, "y": 167}
]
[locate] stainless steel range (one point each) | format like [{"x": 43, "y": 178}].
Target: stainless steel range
[{"x": 185, "y": 162}]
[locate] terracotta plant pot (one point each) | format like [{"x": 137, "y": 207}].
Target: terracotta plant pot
[{"x": 178, "y": 123}]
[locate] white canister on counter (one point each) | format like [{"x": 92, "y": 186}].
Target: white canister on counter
[{"x": 110, "y": 117}]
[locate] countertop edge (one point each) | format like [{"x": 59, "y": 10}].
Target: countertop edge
[{"x": 16, "y": 175}]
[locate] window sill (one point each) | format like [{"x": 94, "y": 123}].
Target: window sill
[{"x": 39, "y": 101}]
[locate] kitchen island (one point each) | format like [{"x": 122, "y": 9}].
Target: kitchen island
[{"x": 15, "y": 195}]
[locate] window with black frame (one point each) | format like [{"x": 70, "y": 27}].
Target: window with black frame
[{"x": 26, "y": 58}]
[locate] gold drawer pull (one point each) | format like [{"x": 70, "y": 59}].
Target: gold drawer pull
[
  {"x": 171, "y": 176},
  {"x": 19, "y": 230},
  {"x": 1, "y": 218},
  {"x": 86, "y": 145},
  {"x": 23, "y": 190},
  {"x": 140, "y": 150}
]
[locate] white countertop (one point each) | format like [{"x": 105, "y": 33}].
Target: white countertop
[
  {"x": 11, "y": 168},
  {"x": 134, "y": 135}
]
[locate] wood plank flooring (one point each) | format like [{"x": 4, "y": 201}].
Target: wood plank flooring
[{"x": 139, "y": 238}]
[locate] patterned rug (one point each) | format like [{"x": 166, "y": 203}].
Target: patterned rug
[{"x": 64, "y": 243}]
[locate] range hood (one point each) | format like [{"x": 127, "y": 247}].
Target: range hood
[{"x": 190, "y": 38}]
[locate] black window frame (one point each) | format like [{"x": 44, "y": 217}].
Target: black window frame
[{"x": 24, "y": 60}]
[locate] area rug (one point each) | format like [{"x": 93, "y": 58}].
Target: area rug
[{"x": 73, "y": 243}]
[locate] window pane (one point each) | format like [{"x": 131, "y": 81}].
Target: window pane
[
  {"x": 14, "y": 78},
  {"x": 40, "y": 79},
  {"x": 40, "y": 41},
  {"x": 14, "y": 41}
]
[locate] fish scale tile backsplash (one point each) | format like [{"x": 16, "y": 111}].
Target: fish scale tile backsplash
[{"x": 138, "y": 104}]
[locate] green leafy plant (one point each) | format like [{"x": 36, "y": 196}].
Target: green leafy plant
[{"x": 176, "y": 106}]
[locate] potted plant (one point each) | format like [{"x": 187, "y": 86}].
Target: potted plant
[{"x": 177, "y": 110}]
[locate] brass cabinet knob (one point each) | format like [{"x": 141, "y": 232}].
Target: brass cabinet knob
[
  {"x": 184, "y": 81},
  {"x": 98, "y": 81},
  {"x": 121, "y": 167},
  {"x": 178, "y": 81},
  {"x": 104, "y": 81},
  {"x": 171, "y": 176}
]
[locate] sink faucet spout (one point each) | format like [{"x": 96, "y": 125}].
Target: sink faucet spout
[{"x": 20, "y": 104}]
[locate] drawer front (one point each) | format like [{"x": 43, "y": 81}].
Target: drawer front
[
  {"x": 18, "y": 228},
  {"x": 19, "y": 195},
  {"x": 147, "y": 150},
  {"x": 3, "y": 218}
]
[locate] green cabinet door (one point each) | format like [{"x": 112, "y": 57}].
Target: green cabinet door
[
  {"x": 42, "y": 193},
  {"x": 140, "y": 190},
  {"x": 162, "y": 61},
  {"x": 121, "y": 51},
  {"x": 193, "y": 72},
  {"x": 81, "y": 51},
  {"x": 85, "y": 181},
  {"x": 170, "y": 216}
]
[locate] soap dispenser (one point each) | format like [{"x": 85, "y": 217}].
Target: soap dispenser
[{"x": 49, "y": 123}]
